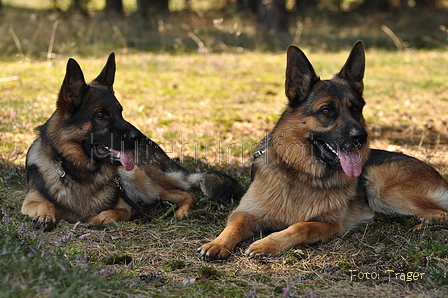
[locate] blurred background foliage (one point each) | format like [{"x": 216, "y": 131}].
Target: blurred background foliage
[{"x": 45, "y": 28}]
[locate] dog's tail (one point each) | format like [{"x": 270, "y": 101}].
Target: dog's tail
[{"x": 217, "y": 186}]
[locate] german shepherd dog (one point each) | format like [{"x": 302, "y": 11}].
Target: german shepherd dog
[
  {"x": 314, "y": 175},
  {"x": 87, "y": 160}
]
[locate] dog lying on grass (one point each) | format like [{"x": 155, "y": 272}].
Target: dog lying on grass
[
  {"x": 88, "y": 163},
  {"x": 315, "y": 176}
]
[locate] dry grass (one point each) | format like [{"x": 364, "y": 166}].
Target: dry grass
[{"x": 164, "y": 262}]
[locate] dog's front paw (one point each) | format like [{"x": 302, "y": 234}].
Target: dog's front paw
[
  {"x": 213, "y": 251},
  {"x": 45, "y": 217},
  {"x": 265, "y": 247},
  {"x": 46, "y": 223}
]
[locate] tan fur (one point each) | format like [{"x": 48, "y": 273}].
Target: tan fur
[
  {"x": 38, "y": 208},
  {"x": 303, "y": 208},
  {"x": 408, "y": 188}
]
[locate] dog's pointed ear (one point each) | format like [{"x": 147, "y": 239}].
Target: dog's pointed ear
[
  {"x": 353, "y": 70},
  {"x": 107, "y": 75},
  {"x": 300, "y": 76},
  {"x": 72, "y": 88}
]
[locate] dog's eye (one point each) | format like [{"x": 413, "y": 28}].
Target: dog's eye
[
  {"x": 325, "y": 111},
  {"x": 355, "y": 109},
  {"x": 100, "y": 114}
]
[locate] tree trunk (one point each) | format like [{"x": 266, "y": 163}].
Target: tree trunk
[
  {"x": 145, "y": 7},
  {"x": 247, "y": 5},
  {"x": 114, "y": 8},
  {"x": 80, "y": 6},
  {"x": 158, "y": 6},
  {"x": 272, "y": 15}
]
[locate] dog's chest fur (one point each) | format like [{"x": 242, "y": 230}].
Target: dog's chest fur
[{"x": 99, "y": 194}]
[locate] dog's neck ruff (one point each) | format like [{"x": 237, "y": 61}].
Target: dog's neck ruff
[{"x": 64, "y": 177}]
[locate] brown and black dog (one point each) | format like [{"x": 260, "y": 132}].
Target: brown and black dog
[
  {"x": 88, "y": 159},
  {"x": 314, "y": 175}
]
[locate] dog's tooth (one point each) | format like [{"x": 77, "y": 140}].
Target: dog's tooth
[
  {"x": 331, "y": 148},
  {"x": 118, "y": 155}
]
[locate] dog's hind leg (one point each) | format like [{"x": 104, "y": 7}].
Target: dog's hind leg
[
  {"x": 182, "y": 199},
  {"x": 423, "y": 206},
  {"x": 410, "y": 187},
  {"x": 40, "y": 210},
  {"x": 121, "y": 212},
  {"x": 148, "y": 183}
]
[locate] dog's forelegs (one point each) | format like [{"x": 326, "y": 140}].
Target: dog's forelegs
[
  {"x": 298, "y": 234},
  {"x": 40, "y": 210},
  {"x": 121, "y": 212},
  {"x": 239, "y": 227}
]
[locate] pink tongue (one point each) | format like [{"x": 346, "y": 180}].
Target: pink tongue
[
  {"x": 126, "y": 158},
  {"x": 351, "y": 163}
]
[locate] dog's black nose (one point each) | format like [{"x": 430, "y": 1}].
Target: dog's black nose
[
  {"x": 132, "y": 133},
  {"x": 136, "y": 135},
  {"x": 358, "y": 136}
]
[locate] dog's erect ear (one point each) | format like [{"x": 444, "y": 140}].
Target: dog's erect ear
[
  {"x": 107, "y": 75},
  {"x": 72, "y": 88},
  {"x": 300, "y": 76},
  {"x": 353, "y": 70}
]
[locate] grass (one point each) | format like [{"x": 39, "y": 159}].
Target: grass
[
  {"x": 209, "y": 110},
  {"x": 45, "y": 269}
]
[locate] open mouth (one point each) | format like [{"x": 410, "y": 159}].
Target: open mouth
[
  {"x": 348, "y": 161},
  {"x": 124, "y": 157}
]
